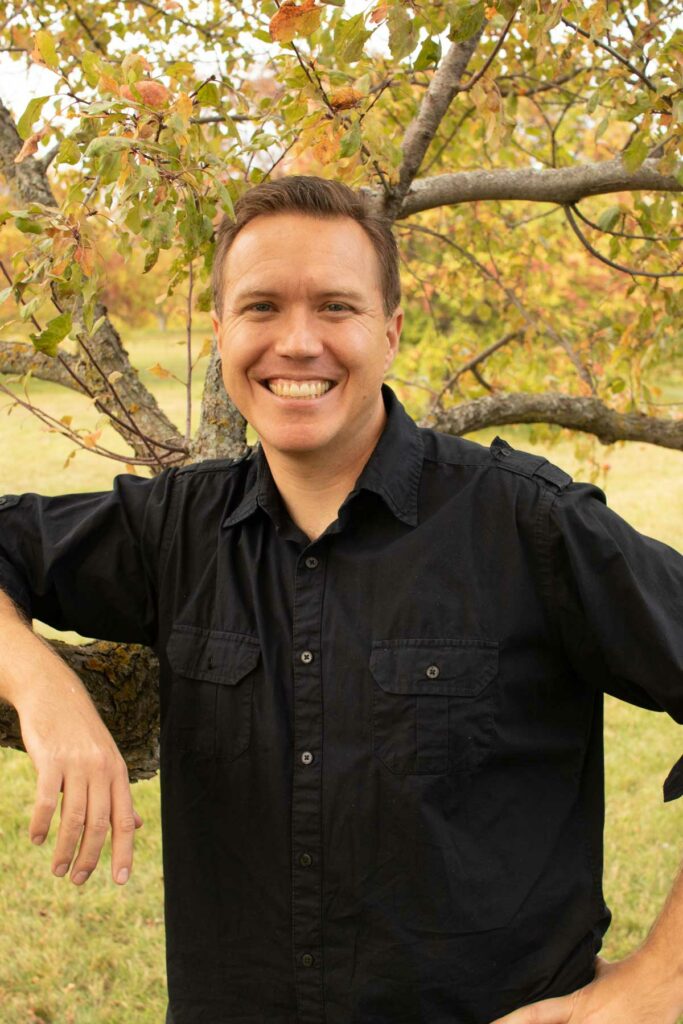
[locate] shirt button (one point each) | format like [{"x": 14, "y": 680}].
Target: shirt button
[
  {"x": 305, "y": 860},
  {"x": 311, "y": 562},
  {"x": 433, "y": 672},
  {"x": 307, "y": 657},
  {"x": 307, "y": 960},
  {"x": 307, "y": 757}
]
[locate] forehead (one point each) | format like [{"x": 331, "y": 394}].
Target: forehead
[{"x": 288, "y": 249}]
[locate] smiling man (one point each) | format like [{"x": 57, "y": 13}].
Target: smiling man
[{"x": 383, "y": 653}]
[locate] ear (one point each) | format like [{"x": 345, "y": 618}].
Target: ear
[{"x": 393, "y": 334}]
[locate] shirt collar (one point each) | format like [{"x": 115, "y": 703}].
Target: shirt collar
[{"x": 393, "y": 471}]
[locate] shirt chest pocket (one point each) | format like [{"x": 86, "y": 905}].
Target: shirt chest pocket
[
  {"x": 213, "y": 684},
  {"x": 432, "y": 703}
]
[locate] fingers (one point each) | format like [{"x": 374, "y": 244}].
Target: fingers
[
  {"x": 124, "y": 821},
  {"x": 92, "y": 803},
  {"x": 47, "y": 797},
  {"x": 549, "y": 1011}
]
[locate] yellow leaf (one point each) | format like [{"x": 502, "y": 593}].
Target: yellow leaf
[
  {"x": 159, "y": 371},
  {"x": 184, "y": 107},
  {"x": 294, "y": 20},
  {"x": 90, "y": 440},
  {"x": 131, "y": 469},
  {"x": 66, "y": 420},
  {"x": 114, "y": 376},
  {"x": 206, "y": 348}
]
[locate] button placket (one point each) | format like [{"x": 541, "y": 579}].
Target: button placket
[{"x": 306, "y": 790}]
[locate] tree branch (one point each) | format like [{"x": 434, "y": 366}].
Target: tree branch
[
  {"x": 443, "y": 87},
  {"x": 634, "y": 272},
  {"x": 589, "y": 415},
  {"x": 18, "y": 358},
  {"x": 122, "y": 679},
  {"x": 550, "y": 185}
]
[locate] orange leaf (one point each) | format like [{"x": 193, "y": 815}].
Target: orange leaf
[
  {"x": 490, "y": 12},
  {"x": 379, "y": 14},
  {"x": 108, "y": 84},
  {"x": 159, "y": 371},
  {"x": 85, "y": 259},
  {"x": 294, "y": 20},
  {"x": 344, "y": 98},
  {"x": 29, "y": 147},
  {"x": 90, "y": 440},
  {"x": 153, "y": 94}
]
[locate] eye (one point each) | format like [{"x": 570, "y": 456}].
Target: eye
[
  {"x": 255, "y": 307},
  {"x": 341, "y": 307}
]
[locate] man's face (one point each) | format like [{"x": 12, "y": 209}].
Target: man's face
[{"x": 304, "y": 341}]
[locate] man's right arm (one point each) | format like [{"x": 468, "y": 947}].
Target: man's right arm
[
  {"x": 89, "y": 563},
  {"x": 72, "y": 752}
]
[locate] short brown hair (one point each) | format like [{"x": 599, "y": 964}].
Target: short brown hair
[{"x": 316, "y": 197}]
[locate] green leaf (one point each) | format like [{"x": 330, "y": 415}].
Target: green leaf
[
  {"x": 466, "y": 19},
  {"x": 56, "y": 330},
  {"x": 106, "y": 144},
  {"x": 608, "y": 218},
  {"x": 350, "y": 37},
  {"x": 351, "y": 142},
  {"x": 209, "y": 95},
  {"x": 5, "y": 294},
  {"x": 28, "y": 226},
  {"x": 429, "y": 55},
  {"x": 69, "y": 153},
  {"x": 402, "y": 34},
  {"x": 92, "y": 67},
  {"x": 635, "y": 153},
  {"x": 617, "y": 385},
  {"x": 150, "y": 259},
  {"x": 45, "y": 45},
  {"x": 31, "y": 115}
]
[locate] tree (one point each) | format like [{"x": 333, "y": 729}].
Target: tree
[{"x": 488, "y": 134}]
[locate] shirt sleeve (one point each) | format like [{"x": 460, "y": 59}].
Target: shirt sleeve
[
  {"x": 88, "y": 562},
  {"x": 618, "y": 598}
]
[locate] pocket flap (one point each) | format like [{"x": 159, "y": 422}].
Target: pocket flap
[
  {"x": 212, "y": 655},
  {"x": 461, "y": 668}
]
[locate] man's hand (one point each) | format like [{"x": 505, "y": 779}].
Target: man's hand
[
  {"x": 72, "y": 751},
  {"x": 628, "y": 992}
]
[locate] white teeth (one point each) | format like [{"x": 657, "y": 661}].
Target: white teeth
[{"x": 298, "y": 388}]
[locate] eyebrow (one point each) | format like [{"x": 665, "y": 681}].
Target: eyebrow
[{"x": 255, "y": 294}]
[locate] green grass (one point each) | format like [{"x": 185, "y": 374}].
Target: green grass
[{"x": 95, "y": 955}]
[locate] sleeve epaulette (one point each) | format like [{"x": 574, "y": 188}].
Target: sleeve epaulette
[
  {"x": 530, "y": 466},
  {"x": 209, "y": 465}
]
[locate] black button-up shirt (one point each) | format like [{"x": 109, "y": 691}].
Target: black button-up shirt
[{"x": 381, "y": 751}]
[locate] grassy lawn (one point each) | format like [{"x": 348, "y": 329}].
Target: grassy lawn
[{"x": 95, "y": 955}]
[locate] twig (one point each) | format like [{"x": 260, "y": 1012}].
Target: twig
[
  {"x": 615, "y": 53},
  {"x": 610, "y": 263},
  {"x": 622, "y": 234},
  {"x": 188, "y": 393}
]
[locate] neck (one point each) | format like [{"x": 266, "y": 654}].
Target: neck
[{"x": 313, "y": 484}]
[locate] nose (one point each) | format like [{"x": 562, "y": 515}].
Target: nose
[{"x": 299, "y": 336}]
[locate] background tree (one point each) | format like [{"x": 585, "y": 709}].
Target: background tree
[{"x": 527, "y": 153}]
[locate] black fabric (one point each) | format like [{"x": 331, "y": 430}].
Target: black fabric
[{"x": 381, "y": 752}]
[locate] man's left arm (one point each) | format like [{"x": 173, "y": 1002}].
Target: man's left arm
[
  {"x": 618, "y": 605},
  {"x": 645, "y": 988}
]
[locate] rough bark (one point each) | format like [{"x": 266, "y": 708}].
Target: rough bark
[
  {"x": 589, "y": 415},
  {"x": 123, "y": 682},
  {"x": 443, "y": 86},
  {"x": 222, "y": 428},
  {"x": 551, "y": 185},
  {"x": 18, "y": 358}
]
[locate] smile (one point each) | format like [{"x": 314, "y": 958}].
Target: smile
[{"x": 284, "y": 388}]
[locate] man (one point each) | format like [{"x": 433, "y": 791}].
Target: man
[{"x": 382, "y": 657}]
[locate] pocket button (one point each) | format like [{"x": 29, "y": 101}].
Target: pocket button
[{"x": 432, "y": 672}]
